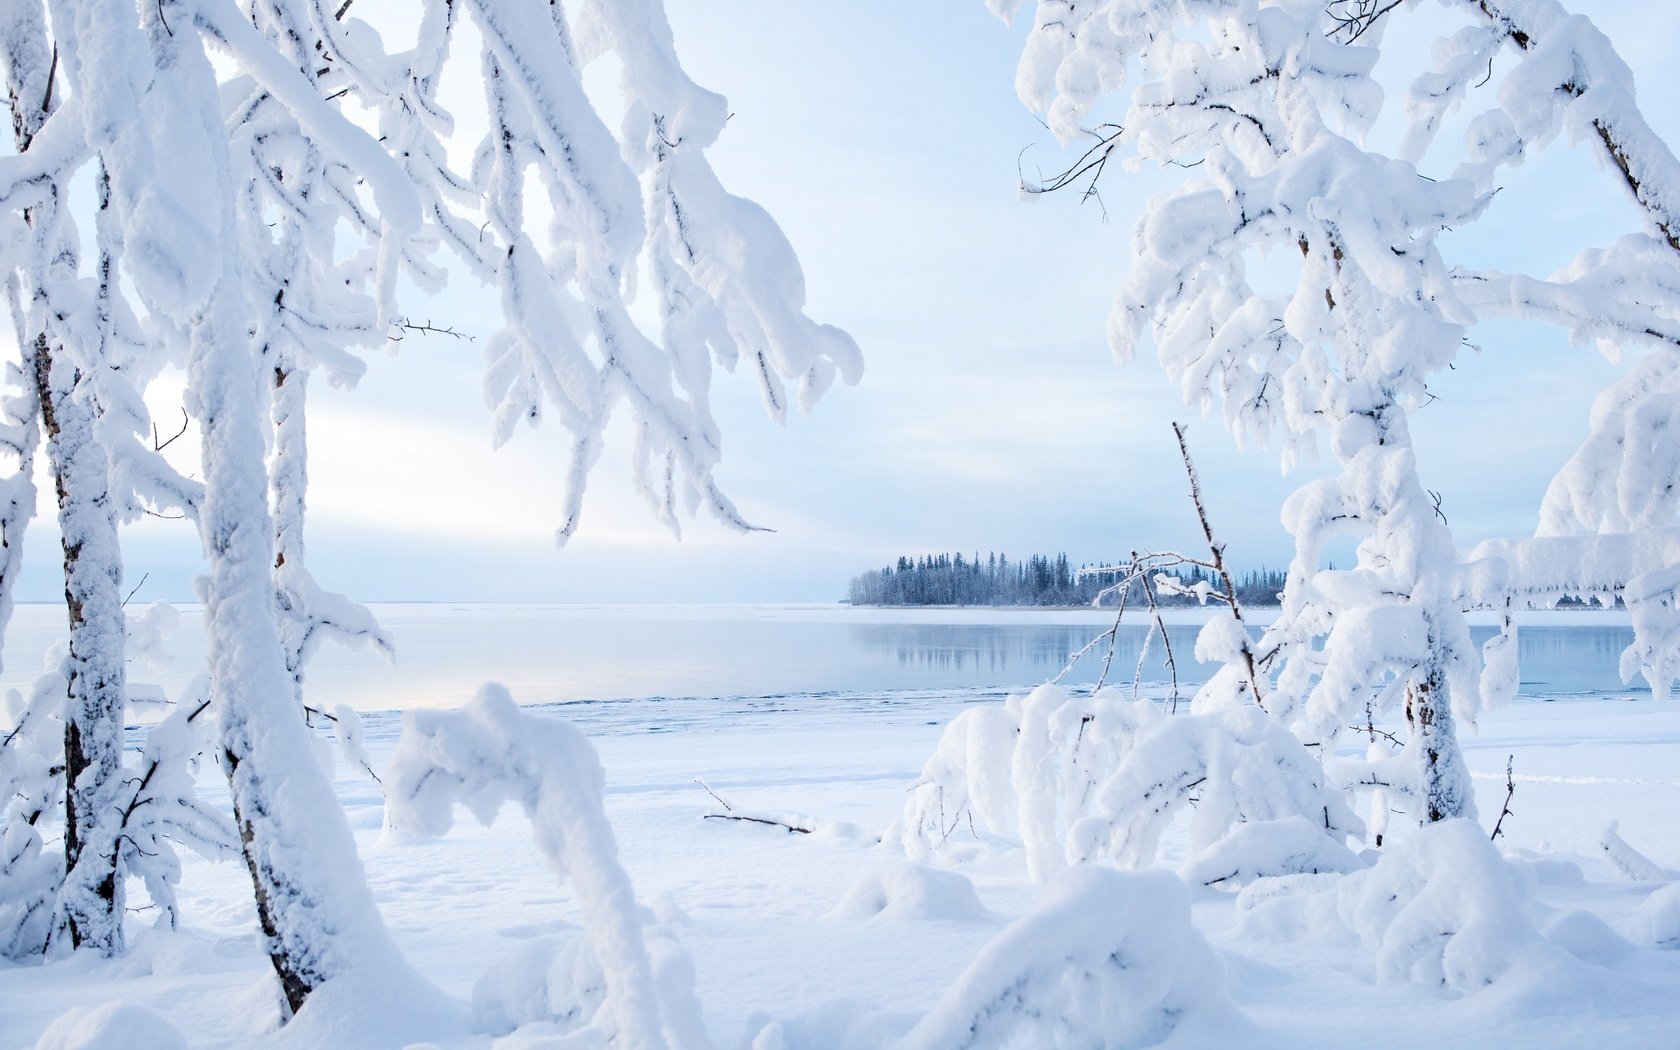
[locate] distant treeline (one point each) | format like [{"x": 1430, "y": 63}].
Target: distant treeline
[{"x": 952, "y": 579}]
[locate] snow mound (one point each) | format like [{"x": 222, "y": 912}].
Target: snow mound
[
  {"x": 126, "y": 1025},
  {"x": 1110, "y": 959},
  {"x": 912, "y": 891},
  {"x": 1587, "y": 937},
  {"x": 1657, "y": 922},
  {"x": 1441, "y": 907}
]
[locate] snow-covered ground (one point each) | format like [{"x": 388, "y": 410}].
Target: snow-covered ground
[{"x": 832, "y": 937}]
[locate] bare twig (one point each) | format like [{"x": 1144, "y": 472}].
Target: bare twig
[
  {"x": 403, "y": 324},
  {"x": 1166, "y": 642},
  {"x": 1218, "y": 550},
  {"x": 1374, "y": 732},
  {"x": 1090, "y": 163},
  {"x": 1357, "y": 17},
  {"x": 714, "y": 794},
  {"x": 159, "y": 446},
  {"x": 1510, "y": 789},
  {"x": 143, "y": 578},
  {"x": 1114, "y": 634}
]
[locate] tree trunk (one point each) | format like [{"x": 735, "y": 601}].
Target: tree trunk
[
  {"x": 91, "y": 900},
  {"x": 317, "y": 915},
  {"x": 289, "y": 483},
  {"x": 1445, "y": 781}
]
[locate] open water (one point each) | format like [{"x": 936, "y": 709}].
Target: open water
[{"x": 773, "y": 655}]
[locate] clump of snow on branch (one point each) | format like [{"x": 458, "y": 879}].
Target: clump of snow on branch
[
  {"x": 490, "y": 752},
  {"x": 1080, "y": 779},
  {"x": 1107, "y": 958},
  {"x": 32, "y": 787},
  {"x": 639, "y": 201}
]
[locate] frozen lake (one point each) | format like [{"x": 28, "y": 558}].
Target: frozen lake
[{"x": 775, "y": 653}]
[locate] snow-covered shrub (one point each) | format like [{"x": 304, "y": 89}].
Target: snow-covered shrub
[
  {"x": 156, "y": 805},
  {"x": 912, "y": 891},
  {"x": 1110, "y": 959},
  {"x": 489, "y": 752},
  {"x": 1587, "y": 937},
  {"x": 31, "y": 799},
  {"x": 1081, "y": 779},
  {"x": 1441, "y": 907},
  {"x": 160, "y": 803}
]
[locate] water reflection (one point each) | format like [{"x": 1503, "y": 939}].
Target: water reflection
[
  {"x": 1028, "y": 653},
  {"x": 1552, "y": 659}
]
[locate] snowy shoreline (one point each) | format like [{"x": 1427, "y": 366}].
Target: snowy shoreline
[{"x": 759, "y": 910}]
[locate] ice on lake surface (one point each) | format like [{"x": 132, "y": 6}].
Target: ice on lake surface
[{"x": 776, "y": 654}]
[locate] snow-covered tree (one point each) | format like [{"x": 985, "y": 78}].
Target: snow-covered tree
[
  {"x": 228, "y": 193},
  {"x": 314, "y": 306},
  {"x": 88, "y": 360},
  {"x": 1297, "y": 277}
]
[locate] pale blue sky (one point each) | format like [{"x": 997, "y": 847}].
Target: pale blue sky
[{"x": 884, "y": 137}]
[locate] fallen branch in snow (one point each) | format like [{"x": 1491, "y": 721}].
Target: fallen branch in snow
[
  {"x": 802, "y": 828},
  {"x": 1510, "y": 789},
  {"x": 793, "y": 824}
]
